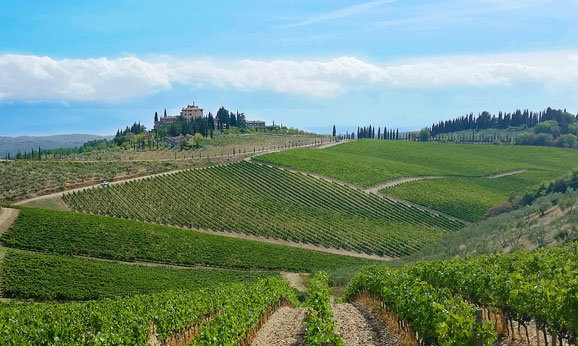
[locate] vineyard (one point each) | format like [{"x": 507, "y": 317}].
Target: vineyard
[
  {"x": 56, "y": 277},
  {"x": 224, "y": 314},
  {"x": 273, "y": 203},
  {"x": 319, "y": 322},
  {"x": 23, "y": 179},
  {"x": 538, "y": 286},
  {"x": 453, "y": 196},
  {"x": 467, "y": 167},
  {"x": 99, "y": 236},
  {"x": 370, "y": 162}
]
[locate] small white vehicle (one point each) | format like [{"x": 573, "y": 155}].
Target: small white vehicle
[{"x": 104, "y": 183}]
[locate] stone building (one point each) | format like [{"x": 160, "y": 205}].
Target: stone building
[{"x": 189, "y": 112}]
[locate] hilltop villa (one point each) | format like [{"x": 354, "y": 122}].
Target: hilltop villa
[{"x": 189, "y": 112}]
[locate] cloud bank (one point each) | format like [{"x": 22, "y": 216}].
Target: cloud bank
[{"x": 31, "y": 78}]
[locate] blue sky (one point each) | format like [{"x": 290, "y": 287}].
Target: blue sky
[{"x": 92, "y": 67}]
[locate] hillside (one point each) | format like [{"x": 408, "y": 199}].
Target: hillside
[
  {"x": 272, "y": 203},
  {"x": 551, "y": 220},
  {"x": 13, "y": 145},
  {"x": 489, "y": 172}
]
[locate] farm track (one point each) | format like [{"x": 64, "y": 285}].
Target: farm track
[
  {"x": 395, "y": 182},
  {"x": 7, "y": 217},
  {"x": 295, "y": 280},
  {"x": 358, "y": 327},
  {"x": 284, "y": 327},
  {"x": 236, "y": 157}
]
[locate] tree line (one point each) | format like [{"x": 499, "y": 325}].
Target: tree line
[{"x": 503, "y": 120}]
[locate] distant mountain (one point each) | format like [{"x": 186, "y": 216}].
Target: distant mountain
[{"x": 24, "y": 143}]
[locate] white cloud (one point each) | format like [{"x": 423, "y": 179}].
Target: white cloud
[{"x": 33, "y": 78}]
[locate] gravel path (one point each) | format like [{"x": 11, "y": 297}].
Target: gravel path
[
  {"x": 358, "y": 326},
  {"x": 395, "y": 182},
  {"x": 284, "y": 327},
  {"x": 295, "y": 280},
  {"x": 505, "y": 174}
]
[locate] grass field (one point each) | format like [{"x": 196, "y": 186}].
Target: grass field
[
  {"x": 273, "y": 203},
  {"x": 369, "y": 162},
  {"x": 48, "y": 277},
  {"x": 466, "y": 194},
  {"x": 99, "y": 236}
]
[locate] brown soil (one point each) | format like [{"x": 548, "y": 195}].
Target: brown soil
[
  {"x": 7, "y": 216},
  {"x": 296, "y": 280},
  {"x": 358, "y": 326},
  {"x": 395, "y": 182},
  {"x": 284, "y": 327}
]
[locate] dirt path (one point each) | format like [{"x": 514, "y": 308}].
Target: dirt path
[
  {"x": 7, "y": 217},
  {"x": 505, "y": 174},
  {"x": 395, "y": 182},
  {"x": 284, "y": 327},
  {"x": 295, "y": 280},
  {"x": 359, "y": 327},
  {"x": 328, "y": 145}
]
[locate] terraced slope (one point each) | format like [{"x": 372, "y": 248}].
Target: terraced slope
[
  {"x": 71, "y": 233},
  {"x": 468, "y": 192},
  {"x": 48, "y": 277},
  {"x": 272, "y": 203}
]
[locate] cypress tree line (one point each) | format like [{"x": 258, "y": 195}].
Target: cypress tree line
[{"x": 500, "y": 121}]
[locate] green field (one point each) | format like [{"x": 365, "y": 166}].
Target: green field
[
  {"x": 48, "y": 277},
  {"x": 272, "y": 203},
  {"x": 99, "y": 236},
  {"x": 467, "y": 198},
  {"x": 467, "y": 193},
  {"x": 369, "y": 162}
]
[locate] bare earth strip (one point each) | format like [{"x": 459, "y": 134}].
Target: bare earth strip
[
  {"x": 295, "y": 280},
  {"x": 356, "y": 329},
  {"x": 284, "y": 327},
  {"x": 505, "y": 174},
  {"x": 395, "y": 182},
  {"x": 328, "y": 145},
  {"x": 7, "y": 217}
]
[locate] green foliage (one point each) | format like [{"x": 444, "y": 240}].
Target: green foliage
[
  {"x": 369, "y": 162},
  {"x": 243, "y": 313},
  {"x": 128, "y": 321},
  {"x": 47, "y": 277},
  {"x": 270, "y": 202},
  {"x": 319, "y": 322},
  {"x": 454, "y": 196},
  {"x": 438, "y": 316},
  {"x": 99, "y": 236},
  {"x": 523, "y": 228},
  {"x": 542, "y": 285}
]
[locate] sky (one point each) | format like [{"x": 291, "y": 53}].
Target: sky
[{"x": 96, "y": 66}]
